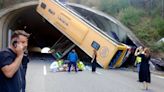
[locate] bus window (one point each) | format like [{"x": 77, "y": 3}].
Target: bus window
[
  {"x": 115, "y": 58},
  {"x": 95, "y": 45}
]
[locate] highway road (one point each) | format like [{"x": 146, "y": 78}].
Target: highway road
[{"x": 41, "y": 79}]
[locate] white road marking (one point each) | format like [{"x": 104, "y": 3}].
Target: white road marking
[
  {"x": 44, "y": 70},
  {"x": 159, "y": 76}
]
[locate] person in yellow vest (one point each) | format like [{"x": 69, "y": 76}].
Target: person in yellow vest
[
  {"x": 138, "y": 60},
  {"x": 80, "y": 65},
  {"x": 138, "y": 52}
]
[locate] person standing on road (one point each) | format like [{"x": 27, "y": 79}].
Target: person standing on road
[
  {"x": 73, "y": 58},
  {"x": 94, "y": 60},
  {"x": 138, "y": 59},
  {"x": 11, "y": 63},
  {"x": 144, "y": 73}
]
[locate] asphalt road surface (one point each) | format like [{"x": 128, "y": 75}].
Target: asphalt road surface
[{"x": 41, "y": 79}]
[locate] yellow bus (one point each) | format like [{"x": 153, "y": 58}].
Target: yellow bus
[{"x": 85, "y": 35}]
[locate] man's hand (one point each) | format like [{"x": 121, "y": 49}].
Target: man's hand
[{"x": 19, "y": 49}]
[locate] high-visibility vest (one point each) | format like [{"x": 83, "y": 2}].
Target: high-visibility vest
[
  {"x": 80, "y": 65},
  {"x": 138, "y": 59},
  {"x": 60, "y": 62}
]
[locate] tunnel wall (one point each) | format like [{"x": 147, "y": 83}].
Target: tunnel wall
[{"x": 8, "y": 15}]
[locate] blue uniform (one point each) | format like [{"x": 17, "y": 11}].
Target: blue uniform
[{"x": 72, "y": 57}]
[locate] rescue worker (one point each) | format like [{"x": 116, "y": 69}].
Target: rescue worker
[{"x": 72, "y": 57}]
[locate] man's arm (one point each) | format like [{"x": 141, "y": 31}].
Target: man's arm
[{"x": 10, "y": 70}]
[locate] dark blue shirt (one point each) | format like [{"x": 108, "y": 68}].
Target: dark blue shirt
[
  {"x": 25, "y": 61},
  {"x": 13, "y": 84}
]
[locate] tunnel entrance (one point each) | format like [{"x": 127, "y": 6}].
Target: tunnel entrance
[{"x": 43, "y": 34}]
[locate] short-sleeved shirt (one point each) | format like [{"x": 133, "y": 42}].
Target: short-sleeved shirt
[{"x": 9, "y": 84}]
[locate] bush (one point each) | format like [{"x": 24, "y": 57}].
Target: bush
[
  {"x": 158, "y": 23},
  {"x": 158, "y": 47},
  {"x": 145, "y": 32},
  {"x": 130, "y": 16},
  {"x": 113, "y": 6}
]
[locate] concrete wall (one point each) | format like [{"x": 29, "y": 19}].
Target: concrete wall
[{"x": 7, "y": 16}]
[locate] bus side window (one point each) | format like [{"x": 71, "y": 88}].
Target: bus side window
[
  {"x": 115, "y": 58},
  {"x": 95, "y": 45}
]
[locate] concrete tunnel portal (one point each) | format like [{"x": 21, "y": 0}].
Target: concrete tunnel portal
[{"x": 43, "y": 34}]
